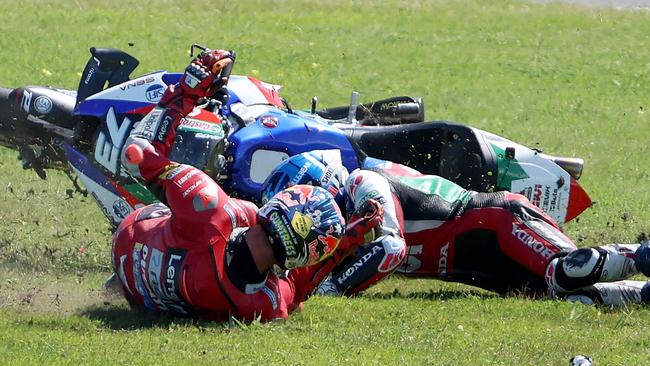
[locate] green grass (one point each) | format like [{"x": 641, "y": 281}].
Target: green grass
[{"x": 570, "y": 80}]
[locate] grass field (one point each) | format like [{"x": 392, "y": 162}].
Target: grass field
[{"x": 570, "y": 80}]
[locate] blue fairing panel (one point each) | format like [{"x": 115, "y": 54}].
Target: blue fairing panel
[
  {"x": 278, "y": 131},
  {"x": 99, "y": 107},
  {"x": 82, "y": 164}
]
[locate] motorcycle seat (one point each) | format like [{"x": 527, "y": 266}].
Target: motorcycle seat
[{"x": 452, "y": 151}]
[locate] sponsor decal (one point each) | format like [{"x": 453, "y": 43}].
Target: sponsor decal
[
  {"x": 201, "y": 127},
  {"x": 323, "y": 246},
  {"x": 327, "y": 176},
  {"x": 154, "y": 92},
  {"x": 387, "y": 105},
  {"x": 148, "y": 126},
  {"x": 43, "y": 105},
  {"x": 412, "y": 262},
  {"x": 90, "y": 73},
  {"x": 544, "y": 197},
  {"x": 26, "y": 100},
  {"x": 173, "y": 171},
  {"x": 552, "y": 199},
  {"x": 286, "y": 237},
  {"x": 122, "y": 276},
  {"x": 154, "y": 271},
  {"x": 187, "y": 176},
  {"x": 110, "y": 141},
  {"x": 358, "y": 264},
  {"x": 191, "y": 80},
  {"x": 395, "y": 253},
  {"x": 137, "y": 82},
  {"x": 138, "y": 262},
  {"x": 163, "y": 128},
  {"x": 537, "y": 194},
  {"x": 171, "y": 287},
  {"x": 272, "y": 297},
  {"x": 301, "y": 173},
  {"x": 302, "y": 224},
  {"x": 157, "y": 277},
  {"x": 269, "y": 121},
  {"x": 207, "y": 199},
  {"x": 374, "y": 195},
  {"x": 528, "y": 240},
  {"x": 551, "y": 235},
  {"x": 121, "y": 208},
  {"x": 192, "y": 187},
  {"x": 442, "y": 262}
]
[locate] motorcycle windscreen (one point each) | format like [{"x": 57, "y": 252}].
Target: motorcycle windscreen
[{"x": 196, "y": 142}]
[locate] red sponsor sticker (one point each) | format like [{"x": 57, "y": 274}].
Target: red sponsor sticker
[{"x": 269, "y": 121}]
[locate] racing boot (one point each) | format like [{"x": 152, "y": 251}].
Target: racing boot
[
  {"x": 328, "y": 288},
  {"x": 642, "y": 258},
  {"x": 585, "y": 266},
  {"x": 613, "y": 294}
]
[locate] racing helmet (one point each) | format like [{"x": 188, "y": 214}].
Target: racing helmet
[
  {"x": 303, "y": 224},
  {"x": 304, "y": 169}
]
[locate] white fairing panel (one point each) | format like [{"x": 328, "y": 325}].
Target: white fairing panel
[
  {"x": 248, "y": 92},
  {"x": 263, "y": 162},
  {"x": 146, "y": 89},
  {"x": 547, "y": 185},
  {"x": 113, "y": 206}
]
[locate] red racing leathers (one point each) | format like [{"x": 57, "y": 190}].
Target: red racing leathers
[
  {"x": 172, "y": 257},
  {"x": 497, "y": 241}
]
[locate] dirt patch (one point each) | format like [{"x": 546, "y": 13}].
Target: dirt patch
[{"x": 62, "y": 296}]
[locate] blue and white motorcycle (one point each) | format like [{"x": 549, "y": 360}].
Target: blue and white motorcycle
[{"x": 83, "y": 131}]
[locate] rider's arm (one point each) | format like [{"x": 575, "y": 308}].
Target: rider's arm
[
  {"x": 363, "y": 185},
  {"x": 197, "y": 202},
  {"x": 384, "y": 252},
  {"x": 198, "y": 81}
]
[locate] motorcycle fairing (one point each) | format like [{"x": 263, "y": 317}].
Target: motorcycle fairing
[
  {"x": 272, "y": 137},
  {"x": 543, "y": 182},
  {"x": 250, "y": 91},
  {"x": 115, "y": 200}
]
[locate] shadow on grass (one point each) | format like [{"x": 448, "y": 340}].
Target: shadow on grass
[
  {"x": 433, "y": 295},
  {"x": 123, "y": 317}
]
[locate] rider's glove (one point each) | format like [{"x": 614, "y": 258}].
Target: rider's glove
[
  {"x": 200, "y": 75},
  {"x": 364, "y": 225}
]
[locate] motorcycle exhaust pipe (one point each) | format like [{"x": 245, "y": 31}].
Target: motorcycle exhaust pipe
[{"x": 573, "y": 166}]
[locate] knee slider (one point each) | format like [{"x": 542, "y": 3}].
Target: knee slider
[{"x": 576, "y": 270}]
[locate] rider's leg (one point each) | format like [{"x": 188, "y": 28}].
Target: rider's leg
[
  {"x": 586, "y": 266},
  {"x": 371, "y": 263},
  {"x": 642, "y": 258},
  {"x": 611, "y": 293}
]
